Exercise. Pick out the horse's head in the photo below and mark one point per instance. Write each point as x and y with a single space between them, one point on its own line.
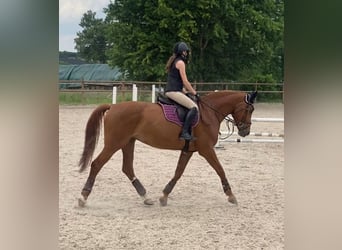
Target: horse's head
242 114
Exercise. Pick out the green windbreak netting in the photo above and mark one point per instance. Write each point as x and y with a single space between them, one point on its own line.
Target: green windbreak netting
100 72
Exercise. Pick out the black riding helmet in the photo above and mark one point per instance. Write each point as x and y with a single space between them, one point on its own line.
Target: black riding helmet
179 48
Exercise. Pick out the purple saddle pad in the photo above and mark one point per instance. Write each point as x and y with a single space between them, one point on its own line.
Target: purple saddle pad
170 113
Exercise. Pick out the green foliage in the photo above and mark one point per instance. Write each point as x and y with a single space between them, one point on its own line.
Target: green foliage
260 39
91 41
236 40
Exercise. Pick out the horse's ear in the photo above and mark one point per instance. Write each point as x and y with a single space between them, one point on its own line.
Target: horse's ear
251 97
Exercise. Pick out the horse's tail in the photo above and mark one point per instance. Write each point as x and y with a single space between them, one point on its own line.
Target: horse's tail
91 135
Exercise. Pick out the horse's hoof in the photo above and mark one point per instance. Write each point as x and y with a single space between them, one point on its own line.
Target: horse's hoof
232 200
148 202
163 201
81 202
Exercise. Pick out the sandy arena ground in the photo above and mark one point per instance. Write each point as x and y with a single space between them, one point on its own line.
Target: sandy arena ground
198 215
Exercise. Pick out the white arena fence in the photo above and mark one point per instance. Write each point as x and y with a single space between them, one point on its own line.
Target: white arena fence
138 88
134 93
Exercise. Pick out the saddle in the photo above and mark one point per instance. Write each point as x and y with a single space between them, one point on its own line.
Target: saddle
173 111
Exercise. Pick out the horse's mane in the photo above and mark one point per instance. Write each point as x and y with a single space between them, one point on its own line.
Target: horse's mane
220 93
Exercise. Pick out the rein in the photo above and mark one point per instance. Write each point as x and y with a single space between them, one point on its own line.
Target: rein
225 116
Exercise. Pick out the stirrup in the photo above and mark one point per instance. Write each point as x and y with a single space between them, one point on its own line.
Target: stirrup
187 137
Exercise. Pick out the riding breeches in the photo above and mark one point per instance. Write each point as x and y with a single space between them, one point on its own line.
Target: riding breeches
182 99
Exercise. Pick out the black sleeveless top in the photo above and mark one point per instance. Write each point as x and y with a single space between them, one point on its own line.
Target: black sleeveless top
174 80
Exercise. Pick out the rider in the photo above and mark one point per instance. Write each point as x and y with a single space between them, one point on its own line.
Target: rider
178 85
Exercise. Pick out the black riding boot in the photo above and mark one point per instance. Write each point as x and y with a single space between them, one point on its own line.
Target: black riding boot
186 130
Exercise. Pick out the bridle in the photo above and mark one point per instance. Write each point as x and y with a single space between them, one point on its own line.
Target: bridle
248 110
241 125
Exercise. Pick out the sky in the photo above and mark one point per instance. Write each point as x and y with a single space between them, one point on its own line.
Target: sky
70 14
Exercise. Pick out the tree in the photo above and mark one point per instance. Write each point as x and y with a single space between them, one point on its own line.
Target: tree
258 38
139 43
91 41
236 40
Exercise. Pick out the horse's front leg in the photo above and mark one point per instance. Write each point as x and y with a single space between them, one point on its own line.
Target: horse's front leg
127 168
210 155
182 162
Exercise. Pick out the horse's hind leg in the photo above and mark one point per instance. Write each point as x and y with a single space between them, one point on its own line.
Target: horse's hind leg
127 168
182 162
96 166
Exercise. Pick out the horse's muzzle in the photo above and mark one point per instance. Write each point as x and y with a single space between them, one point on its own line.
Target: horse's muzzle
244 129
244 132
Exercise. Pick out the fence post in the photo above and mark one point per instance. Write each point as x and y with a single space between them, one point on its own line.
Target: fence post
82 90
114 95
153 93
135 93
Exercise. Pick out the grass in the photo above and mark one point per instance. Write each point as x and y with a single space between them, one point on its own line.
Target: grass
89 98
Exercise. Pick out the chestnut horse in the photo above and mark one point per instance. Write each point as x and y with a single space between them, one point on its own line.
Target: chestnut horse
126 122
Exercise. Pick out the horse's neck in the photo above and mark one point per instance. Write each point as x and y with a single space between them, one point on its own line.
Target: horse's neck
223 102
